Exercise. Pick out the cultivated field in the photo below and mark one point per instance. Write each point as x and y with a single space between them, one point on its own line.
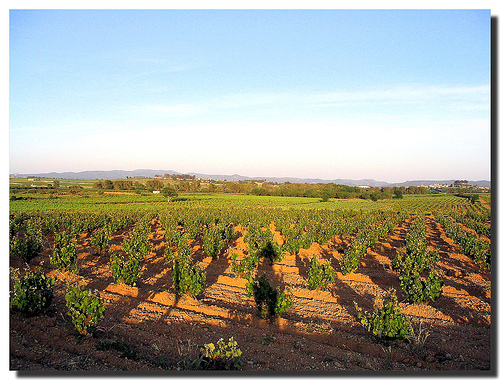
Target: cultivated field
175 276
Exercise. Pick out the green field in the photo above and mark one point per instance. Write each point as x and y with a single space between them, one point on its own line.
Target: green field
91 201
227 248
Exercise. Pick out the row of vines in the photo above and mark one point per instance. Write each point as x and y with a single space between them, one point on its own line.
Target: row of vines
268 233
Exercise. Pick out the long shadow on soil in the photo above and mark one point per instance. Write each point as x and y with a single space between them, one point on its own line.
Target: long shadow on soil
456 278
453 267
346 295
378 273
154 279
460 314
157 263
219 265
302 264
436 239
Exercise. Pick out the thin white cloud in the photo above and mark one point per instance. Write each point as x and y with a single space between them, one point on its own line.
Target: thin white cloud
179 110
404 93
212 105
284 104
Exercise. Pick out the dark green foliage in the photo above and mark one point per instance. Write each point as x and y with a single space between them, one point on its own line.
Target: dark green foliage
388 322
398 194
270 302
319 275
271 251
418 290
187 277
15 224
415 260
64 251
100 239
261 241
169 192
26 248
246 266
215 238
84 307
125 268
325 195
32 293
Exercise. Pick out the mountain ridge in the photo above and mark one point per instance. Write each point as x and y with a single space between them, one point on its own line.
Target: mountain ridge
150 173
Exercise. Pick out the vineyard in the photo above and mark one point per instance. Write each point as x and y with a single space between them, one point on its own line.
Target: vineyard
130 282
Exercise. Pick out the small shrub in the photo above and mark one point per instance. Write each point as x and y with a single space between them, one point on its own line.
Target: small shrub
272 251
418 289
419 261
389 322
229 234
213 240
64 252
100 239
32 293
246 266
261 242
84 307
187 278
350 260
126 269
26 248
222 356
136 244
270 302
319 275
172 238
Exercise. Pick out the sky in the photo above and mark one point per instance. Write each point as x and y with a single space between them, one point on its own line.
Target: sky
391 95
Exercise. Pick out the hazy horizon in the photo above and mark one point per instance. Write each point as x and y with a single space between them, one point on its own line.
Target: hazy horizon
380 94
163 171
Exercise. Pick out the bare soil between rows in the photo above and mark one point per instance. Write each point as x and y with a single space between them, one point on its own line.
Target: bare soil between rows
319 333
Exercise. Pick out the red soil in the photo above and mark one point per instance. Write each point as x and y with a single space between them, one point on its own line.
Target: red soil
320 331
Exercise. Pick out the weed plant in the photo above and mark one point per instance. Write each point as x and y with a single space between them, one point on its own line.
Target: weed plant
222 356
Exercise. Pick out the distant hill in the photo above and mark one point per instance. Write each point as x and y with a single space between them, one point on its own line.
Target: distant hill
150 173
101 174
443 182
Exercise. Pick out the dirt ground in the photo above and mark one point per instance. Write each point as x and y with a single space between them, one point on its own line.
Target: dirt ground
319 333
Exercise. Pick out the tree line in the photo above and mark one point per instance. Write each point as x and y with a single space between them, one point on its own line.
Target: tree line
287 189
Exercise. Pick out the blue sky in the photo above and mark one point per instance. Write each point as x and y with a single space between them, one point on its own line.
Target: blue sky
388 95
